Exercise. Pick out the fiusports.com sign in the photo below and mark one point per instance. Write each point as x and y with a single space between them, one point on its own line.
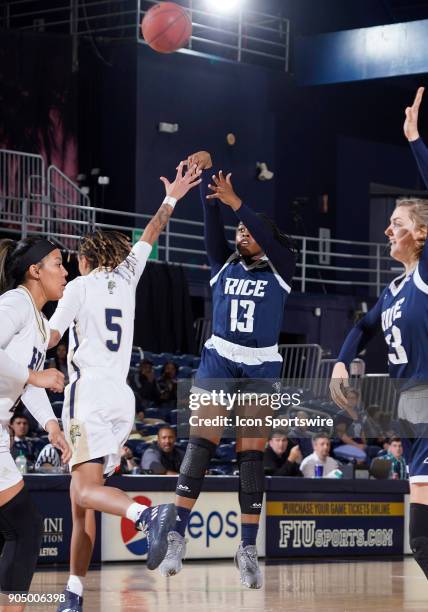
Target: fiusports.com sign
304 526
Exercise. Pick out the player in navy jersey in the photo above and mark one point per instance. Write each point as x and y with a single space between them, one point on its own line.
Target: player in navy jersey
250 285
402 313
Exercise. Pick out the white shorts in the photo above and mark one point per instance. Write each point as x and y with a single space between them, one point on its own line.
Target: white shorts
9 473
98 416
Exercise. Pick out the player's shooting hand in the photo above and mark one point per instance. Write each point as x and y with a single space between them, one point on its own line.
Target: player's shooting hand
202 159
223 191
57 439
182 182
338 385
51 379
412 112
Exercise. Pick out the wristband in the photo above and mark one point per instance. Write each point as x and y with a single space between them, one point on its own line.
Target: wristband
170 201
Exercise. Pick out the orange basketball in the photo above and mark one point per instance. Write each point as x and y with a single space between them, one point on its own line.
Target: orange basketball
166 27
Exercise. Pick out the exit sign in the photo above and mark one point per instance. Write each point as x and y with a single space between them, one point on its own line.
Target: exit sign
136 235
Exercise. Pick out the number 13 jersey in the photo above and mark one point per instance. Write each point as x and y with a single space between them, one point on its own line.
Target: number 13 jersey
99 310
248 302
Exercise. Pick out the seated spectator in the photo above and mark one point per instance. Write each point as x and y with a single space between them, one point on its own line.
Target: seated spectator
168 385
49 460
282 457
163 457
145 385
128 464
301 435
21 442
60 361
320 456
395 455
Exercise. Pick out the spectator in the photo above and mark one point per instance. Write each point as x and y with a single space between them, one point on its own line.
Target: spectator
395 455
350 430
282 457
163 457
320 456
301 435
128 464
168 385
60 361
21 443
145 386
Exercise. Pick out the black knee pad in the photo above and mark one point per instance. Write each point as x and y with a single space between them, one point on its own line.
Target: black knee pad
21 526
251 481
418 532
198 455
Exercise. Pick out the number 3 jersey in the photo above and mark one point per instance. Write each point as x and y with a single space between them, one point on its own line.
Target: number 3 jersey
99 310
402 312
248 303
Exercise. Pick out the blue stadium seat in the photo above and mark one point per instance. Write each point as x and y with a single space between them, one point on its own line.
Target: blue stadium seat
158 370
184 372
196 362
158 359
226 452
135 359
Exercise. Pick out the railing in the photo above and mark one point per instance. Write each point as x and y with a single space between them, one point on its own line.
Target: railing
359 264
243 35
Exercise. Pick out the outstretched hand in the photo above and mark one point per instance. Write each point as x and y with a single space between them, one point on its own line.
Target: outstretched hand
182 182
412 112
223 191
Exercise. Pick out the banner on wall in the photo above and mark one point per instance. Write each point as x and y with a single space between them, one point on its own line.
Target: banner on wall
56 512
343 524
213 530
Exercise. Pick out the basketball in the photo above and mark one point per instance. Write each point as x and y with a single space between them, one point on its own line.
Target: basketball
166 27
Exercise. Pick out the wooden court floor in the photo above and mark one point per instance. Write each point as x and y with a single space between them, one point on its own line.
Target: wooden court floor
366 586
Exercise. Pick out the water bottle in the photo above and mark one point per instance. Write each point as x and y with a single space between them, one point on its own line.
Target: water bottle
21 462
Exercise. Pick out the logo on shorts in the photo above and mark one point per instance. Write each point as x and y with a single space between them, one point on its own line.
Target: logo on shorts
111 285
183 488
135 541
74 433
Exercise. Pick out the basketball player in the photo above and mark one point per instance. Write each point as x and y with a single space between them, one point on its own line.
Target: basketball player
31 274
99 407
402 312
250 285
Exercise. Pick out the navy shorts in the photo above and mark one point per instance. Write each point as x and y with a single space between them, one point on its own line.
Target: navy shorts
413 418
217 372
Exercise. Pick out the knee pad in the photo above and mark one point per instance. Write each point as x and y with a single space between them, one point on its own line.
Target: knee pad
198 455
251 481
21 526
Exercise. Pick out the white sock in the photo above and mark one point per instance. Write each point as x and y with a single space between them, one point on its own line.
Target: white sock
134 511
75 584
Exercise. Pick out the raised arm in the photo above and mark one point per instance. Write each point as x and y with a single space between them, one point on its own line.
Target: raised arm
354 343
218 249
282 258
174 192
411 132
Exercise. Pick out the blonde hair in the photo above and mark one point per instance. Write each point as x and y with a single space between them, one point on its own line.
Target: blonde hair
104 249
418 213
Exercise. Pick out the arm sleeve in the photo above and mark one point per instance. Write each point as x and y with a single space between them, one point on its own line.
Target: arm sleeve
282 258
68 306
420 151
218 249
361 334
38 404
13 313
133 266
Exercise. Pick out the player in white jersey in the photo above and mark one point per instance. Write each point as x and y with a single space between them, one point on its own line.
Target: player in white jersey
99 407
31 274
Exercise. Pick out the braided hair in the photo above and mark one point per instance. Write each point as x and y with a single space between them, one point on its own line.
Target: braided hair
104 249
278 235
